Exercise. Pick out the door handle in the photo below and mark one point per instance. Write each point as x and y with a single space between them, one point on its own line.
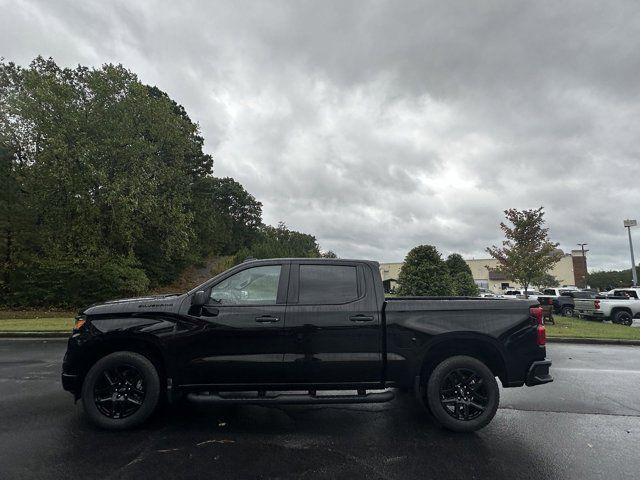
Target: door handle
267 319
361 318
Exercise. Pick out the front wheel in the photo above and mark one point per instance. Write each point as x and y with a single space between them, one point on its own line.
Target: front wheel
121 391
462 394
567 311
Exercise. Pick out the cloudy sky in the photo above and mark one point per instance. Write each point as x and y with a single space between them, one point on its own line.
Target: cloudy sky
381 125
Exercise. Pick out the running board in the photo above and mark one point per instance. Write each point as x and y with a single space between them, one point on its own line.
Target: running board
288 398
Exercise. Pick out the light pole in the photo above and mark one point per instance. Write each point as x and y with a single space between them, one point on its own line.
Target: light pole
628 224
584 259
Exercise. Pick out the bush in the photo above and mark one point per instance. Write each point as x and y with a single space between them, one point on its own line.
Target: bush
64 284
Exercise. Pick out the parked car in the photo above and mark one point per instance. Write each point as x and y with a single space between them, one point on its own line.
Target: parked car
556 292
562 304
618 309
581 294
266 329
484 293
531 294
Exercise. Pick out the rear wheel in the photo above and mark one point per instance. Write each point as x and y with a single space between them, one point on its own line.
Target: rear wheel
623 318
121 391
462 394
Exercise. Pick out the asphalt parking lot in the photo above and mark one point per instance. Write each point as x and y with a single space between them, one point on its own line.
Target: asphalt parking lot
584 425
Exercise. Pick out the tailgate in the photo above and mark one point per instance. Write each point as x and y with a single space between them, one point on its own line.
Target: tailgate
585 305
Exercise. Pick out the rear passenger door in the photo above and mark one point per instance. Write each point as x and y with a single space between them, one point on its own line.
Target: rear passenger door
332 330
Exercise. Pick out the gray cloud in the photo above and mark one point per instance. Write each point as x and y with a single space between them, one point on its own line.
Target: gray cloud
380 125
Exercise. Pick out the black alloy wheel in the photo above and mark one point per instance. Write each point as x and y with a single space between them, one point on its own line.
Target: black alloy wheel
567 312
623 318
463 394
120 391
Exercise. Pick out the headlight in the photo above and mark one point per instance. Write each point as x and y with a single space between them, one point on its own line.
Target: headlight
80 321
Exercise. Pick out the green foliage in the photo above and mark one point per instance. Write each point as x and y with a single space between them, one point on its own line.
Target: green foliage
608 280
527 253
69 285
230 217
546 280
280 242
463 284
96 165
456 264
425 273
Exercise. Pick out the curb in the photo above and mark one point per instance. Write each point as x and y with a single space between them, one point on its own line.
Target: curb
592 341
35 334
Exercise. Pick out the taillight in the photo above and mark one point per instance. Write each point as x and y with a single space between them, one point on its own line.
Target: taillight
536 312
596 304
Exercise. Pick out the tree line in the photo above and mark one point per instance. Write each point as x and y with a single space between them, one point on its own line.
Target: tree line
106 190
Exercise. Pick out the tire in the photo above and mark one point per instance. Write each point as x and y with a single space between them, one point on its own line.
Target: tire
623 318
462 387
121 391
567 311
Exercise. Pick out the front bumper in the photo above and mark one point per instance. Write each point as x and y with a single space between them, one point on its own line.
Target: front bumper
71 383
539 373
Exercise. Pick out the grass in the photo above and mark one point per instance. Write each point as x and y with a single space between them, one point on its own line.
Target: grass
569 327
51 324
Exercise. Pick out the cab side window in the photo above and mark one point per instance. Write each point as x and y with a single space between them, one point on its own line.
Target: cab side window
253 286
327 284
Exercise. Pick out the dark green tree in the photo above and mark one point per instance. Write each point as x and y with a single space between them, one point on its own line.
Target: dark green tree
527 253
425 273
231 217
607 280
463 284
280 242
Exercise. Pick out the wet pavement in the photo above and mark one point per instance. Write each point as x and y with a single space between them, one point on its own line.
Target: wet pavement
584 425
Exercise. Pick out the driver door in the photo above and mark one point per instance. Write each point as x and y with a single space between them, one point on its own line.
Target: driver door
241 326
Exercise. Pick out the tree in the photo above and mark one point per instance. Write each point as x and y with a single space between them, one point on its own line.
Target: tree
232 216
424 273
527 253
546 281
463 283
280 242
607 280
328 254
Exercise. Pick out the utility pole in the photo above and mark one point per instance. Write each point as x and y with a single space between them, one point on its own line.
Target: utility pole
628 224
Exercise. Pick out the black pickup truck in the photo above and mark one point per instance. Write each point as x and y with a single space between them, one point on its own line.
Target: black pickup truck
266 329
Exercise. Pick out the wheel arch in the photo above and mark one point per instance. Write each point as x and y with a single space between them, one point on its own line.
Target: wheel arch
476 346
615 310
115 343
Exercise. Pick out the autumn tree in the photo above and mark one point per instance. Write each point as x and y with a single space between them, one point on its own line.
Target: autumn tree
527 253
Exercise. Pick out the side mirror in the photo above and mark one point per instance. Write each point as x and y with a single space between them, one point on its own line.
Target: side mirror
199 299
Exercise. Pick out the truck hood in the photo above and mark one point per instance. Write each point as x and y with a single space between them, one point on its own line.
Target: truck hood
151 303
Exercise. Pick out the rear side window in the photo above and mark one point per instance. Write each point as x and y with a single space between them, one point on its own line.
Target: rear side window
327 284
